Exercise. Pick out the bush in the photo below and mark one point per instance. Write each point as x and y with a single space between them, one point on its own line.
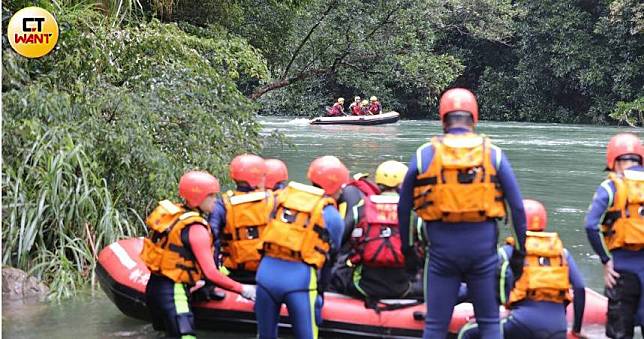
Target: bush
99 130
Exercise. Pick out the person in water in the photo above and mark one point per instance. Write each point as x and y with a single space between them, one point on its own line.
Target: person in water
178 251
458 184
615 229
376 258
305 230
354 108
240 216
337 110
374 106
276 174
539 298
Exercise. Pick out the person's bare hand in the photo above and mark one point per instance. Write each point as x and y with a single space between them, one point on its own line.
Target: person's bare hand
610 275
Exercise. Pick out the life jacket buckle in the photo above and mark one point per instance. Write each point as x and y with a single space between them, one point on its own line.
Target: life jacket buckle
385 232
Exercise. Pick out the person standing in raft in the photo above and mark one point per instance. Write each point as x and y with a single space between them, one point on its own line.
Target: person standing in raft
375 107
240 216
354 108
615 229
458 184
376 258
178 251
276 174
337 110
305 230
539 298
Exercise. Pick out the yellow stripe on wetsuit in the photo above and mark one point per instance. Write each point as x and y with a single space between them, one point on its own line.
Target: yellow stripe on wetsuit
181 303
313 294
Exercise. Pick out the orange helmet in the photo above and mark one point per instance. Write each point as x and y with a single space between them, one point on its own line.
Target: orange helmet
249 168
276 172
535 215
195 186
329 173
458 100
622 144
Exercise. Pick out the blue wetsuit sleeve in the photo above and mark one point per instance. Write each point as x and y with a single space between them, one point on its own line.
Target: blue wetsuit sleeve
599 205
579 290
405 204
217 220
512 196
335 225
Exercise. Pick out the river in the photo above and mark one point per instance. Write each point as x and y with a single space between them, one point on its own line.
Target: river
560 165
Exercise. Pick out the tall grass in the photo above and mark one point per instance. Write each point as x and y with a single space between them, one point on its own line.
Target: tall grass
57 214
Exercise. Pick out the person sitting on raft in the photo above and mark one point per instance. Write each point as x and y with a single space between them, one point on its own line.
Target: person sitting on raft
337 110
539 312
352 194
376 258
375 107
364 108
178 252
355 108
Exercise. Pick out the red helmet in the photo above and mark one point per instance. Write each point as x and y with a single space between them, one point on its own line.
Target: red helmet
195 186
249 168
622 144
458 99
535 215
276 172
329 173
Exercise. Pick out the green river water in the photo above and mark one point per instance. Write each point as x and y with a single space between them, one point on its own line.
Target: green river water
560 165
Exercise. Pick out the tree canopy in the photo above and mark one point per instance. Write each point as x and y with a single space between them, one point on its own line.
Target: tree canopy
549 61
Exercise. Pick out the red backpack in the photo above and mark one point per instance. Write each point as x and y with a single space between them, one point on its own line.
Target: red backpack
365 186
376 238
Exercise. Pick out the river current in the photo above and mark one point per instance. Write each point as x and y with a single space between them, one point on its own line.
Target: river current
559 165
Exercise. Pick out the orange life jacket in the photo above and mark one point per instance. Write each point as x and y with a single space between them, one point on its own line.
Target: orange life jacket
460 184
545 272
164 249
297 232
623 224
246 217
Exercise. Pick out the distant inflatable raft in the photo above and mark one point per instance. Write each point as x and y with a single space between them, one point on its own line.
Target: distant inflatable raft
380 119
123 277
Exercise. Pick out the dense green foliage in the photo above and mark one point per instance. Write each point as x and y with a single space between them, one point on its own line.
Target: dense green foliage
550 61
100 129
138 91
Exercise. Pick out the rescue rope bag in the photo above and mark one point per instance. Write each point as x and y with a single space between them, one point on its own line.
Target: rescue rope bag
296 231
376 238
545 273
247 215
164 249
461 183
623 223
